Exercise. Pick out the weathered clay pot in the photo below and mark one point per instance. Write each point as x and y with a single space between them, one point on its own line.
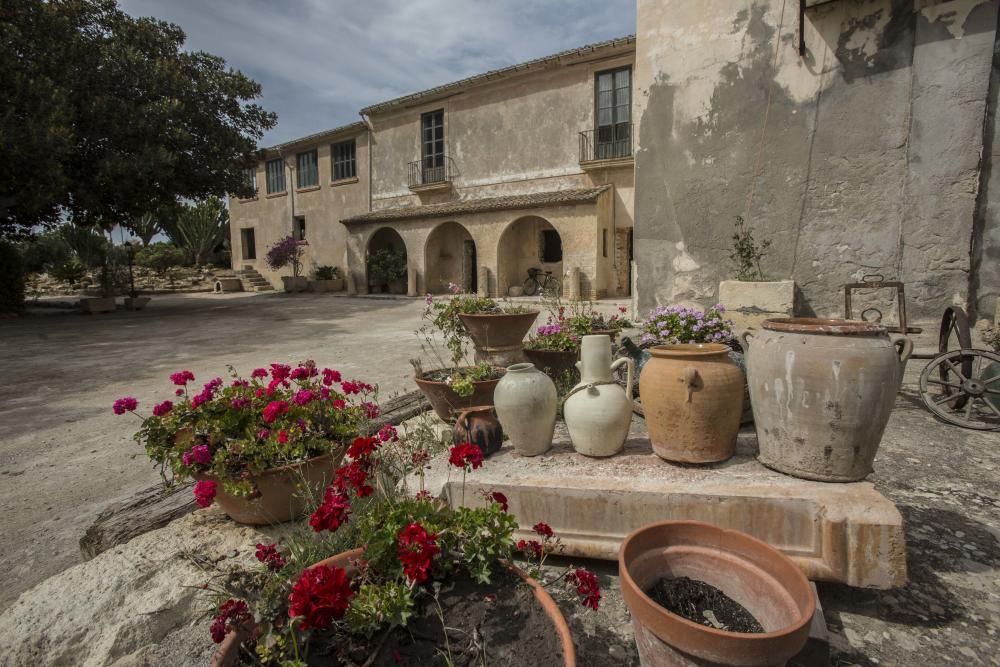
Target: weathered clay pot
447 403
762 579
822 392
557 364
527 402
598 411
692 397
295 283
480 426
282 493
228 652
499 331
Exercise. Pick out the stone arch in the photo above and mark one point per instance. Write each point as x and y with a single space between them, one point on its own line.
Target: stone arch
450 257
528 242
386 238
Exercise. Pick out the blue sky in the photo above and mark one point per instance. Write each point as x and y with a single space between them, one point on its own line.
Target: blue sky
320 61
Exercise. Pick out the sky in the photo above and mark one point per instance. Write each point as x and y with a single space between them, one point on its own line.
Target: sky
320 61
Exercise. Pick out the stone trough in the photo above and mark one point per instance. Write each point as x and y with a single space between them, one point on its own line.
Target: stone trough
847 533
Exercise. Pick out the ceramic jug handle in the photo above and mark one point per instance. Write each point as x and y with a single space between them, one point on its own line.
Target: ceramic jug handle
745 337
904 348
629 374
691 378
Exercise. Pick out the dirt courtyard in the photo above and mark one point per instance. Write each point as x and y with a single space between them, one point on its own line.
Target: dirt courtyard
64 456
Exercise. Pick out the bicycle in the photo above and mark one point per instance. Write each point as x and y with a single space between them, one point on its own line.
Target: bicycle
548 285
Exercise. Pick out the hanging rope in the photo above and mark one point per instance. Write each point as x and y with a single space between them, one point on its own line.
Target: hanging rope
767 112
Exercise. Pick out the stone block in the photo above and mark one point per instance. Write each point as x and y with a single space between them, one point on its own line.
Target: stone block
750 303
846 533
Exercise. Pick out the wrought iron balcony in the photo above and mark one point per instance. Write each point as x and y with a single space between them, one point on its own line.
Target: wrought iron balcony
431 170
610 142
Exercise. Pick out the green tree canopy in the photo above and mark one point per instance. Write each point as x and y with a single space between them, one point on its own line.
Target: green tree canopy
104 118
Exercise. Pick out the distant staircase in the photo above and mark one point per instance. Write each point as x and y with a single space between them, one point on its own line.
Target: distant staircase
253 281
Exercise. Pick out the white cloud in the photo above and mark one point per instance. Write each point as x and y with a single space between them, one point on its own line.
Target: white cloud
319 61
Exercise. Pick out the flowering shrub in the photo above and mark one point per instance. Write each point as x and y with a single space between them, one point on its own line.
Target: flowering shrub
553 335
565 327
679 324
280 415
287 252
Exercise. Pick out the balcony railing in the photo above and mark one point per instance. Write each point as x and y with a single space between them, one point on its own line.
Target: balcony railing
431 170
611 142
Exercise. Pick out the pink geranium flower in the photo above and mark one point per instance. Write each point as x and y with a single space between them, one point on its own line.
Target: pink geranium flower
204 492
125 404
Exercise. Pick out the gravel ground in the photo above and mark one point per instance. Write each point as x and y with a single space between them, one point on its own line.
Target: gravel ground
64 457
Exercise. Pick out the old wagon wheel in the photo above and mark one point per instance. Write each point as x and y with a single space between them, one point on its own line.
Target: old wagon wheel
968 398
954 334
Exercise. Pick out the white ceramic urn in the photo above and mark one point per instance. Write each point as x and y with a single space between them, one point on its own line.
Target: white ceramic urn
598 412
525 400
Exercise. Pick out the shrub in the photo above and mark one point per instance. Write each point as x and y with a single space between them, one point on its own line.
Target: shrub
287 252
160 257
90 247
70 272
11 279
326 273
386 266
45 251
747 253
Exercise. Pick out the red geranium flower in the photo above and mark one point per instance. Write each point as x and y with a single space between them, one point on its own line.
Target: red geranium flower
269 556
371 410
339 404
333 513
181 378
587 587
530 548
274 410
280 372
466 456
330 376
320 596
232 614
283 437
362 447
259 373
388 433
500 499
353 476
417 549
304 397
125 404
543 529
163 408
204 492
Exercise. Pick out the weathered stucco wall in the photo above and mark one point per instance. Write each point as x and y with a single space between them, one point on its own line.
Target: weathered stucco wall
986 238
322 207
870 161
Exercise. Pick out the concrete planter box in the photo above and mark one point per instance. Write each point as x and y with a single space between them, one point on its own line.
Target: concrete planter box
223 285
136 303
749 304
335 285
295 283
104 304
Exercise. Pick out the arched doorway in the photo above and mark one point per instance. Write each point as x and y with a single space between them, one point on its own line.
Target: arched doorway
386 262
529 242
450 257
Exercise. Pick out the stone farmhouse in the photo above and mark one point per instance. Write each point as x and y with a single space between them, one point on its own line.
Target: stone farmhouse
858 136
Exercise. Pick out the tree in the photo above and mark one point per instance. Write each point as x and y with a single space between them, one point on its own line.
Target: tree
145 227
198 228
103 117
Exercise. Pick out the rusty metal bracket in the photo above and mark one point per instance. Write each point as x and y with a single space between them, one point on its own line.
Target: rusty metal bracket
877 281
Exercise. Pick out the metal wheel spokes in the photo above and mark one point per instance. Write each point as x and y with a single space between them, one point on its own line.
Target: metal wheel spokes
962 387
954 334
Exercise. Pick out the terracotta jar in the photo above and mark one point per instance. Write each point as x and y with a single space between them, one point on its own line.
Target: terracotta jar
228 653
281 494
767 583
479 425
447 403
598 411
526 403
822 392
499 337
692 397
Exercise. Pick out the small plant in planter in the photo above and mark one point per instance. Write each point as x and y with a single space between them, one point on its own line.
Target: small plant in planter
326 279
257 446
680 324
326 273
484 321
752 297
431 583
387 270
747 253
288 252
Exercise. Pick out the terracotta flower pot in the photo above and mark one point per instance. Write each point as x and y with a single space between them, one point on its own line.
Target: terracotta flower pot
447 403
480 426
228 652
295 283
283 493
554 363
692 397
822 392
750 572
499 331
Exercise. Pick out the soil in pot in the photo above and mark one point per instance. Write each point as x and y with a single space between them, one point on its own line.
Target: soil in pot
513 630
702 603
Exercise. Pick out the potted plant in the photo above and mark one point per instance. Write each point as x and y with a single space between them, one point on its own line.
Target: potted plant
554 350
430 583
106 285
259 447
326 279
387 271
698 593
454 389
751 298
288 252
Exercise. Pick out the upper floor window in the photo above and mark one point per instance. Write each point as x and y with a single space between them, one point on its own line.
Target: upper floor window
432 146
250 178
306 170
275 175
344 158
613 113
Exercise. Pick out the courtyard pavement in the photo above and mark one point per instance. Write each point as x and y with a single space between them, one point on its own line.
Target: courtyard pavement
64 456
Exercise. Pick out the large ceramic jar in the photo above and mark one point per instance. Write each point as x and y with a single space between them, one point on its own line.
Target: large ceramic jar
822 392
478 425
598 412
526 402
692 397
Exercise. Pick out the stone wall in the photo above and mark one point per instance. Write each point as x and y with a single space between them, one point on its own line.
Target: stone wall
870 159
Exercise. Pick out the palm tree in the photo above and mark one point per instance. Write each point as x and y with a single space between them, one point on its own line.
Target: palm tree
145 227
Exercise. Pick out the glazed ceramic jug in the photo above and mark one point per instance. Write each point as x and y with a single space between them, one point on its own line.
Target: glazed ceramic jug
526 402
479 426
598 412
